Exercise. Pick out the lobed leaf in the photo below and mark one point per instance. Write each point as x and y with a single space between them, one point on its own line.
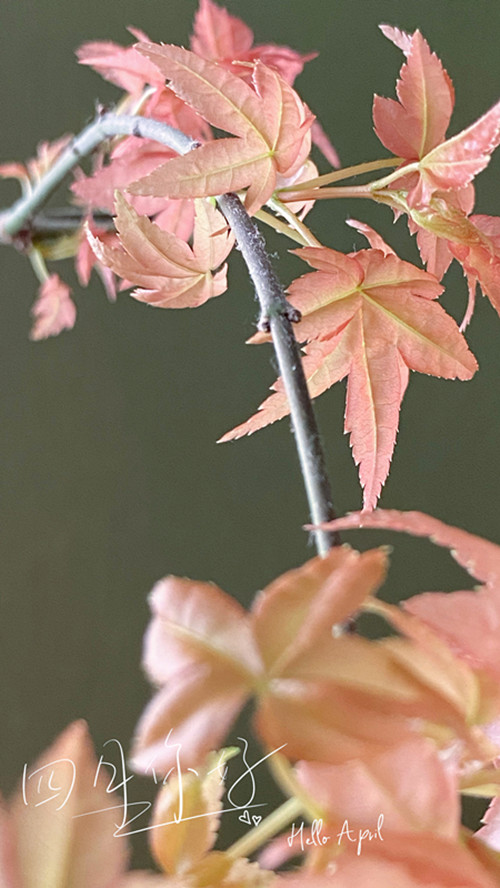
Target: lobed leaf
453 164
219 35
416 123
54 310
62 828
271 124
370 317
168 272
121 65
467 621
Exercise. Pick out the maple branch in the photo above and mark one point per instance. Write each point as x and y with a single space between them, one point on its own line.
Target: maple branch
105 126
276 312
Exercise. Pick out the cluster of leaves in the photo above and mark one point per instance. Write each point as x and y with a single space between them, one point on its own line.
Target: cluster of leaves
368 316
358 730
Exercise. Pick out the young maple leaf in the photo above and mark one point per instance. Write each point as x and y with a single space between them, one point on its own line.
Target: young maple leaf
221 37
271 125
184 829
370 317
168 272
445 232
54 309
98 190
208 656
414 127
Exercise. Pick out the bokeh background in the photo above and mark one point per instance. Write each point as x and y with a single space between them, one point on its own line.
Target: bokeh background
110 476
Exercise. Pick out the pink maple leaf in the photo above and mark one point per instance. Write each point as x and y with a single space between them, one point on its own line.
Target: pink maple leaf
468 621
54 310
208 656
371 317
414 127
121 65
60 827
225 39
270 124
319 697
168 272
221 37
445 232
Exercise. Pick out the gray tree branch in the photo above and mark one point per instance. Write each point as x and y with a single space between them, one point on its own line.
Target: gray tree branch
276 313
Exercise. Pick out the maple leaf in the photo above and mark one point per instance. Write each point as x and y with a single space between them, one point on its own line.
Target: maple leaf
54 310
208 655
445 232
370 317
271 125
168 272
414 127
98 190
221 37
46 837
480 258
319 697
122 65
182 843
417 122
467 621
225 39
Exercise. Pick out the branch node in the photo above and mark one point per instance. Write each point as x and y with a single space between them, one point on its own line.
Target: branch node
293 314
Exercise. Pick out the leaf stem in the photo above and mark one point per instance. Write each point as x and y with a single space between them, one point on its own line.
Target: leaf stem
38 265
345 173
294 222
280 226
328 193
267 828
369 190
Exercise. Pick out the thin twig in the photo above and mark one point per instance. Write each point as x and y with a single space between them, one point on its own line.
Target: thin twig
275 310
276 313
105 126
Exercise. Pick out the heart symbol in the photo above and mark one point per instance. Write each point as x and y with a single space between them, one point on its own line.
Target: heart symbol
256 818
245 817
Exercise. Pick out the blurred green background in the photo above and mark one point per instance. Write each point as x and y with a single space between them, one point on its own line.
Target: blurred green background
110 476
